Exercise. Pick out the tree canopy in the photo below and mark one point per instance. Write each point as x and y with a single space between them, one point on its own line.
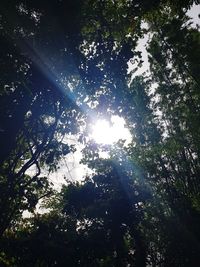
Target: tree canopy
64 64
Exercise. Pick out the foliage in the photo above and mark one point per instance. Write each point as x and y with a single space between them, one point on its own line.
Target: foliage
64 64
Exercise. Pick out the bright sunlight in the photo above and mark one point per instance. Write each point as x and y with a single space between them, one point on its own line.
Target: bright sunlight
105 132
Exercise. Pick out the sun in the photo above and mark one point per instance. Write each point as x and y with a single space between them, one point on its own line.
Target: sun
105 132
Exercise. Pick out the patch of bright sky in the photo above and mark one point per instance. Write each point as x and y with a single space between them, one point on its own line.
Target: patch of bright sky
104 132
141 47
194 13
70 168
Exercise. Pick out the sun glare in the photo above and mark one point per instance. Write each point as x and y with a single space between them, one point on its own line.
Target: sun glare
104 132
